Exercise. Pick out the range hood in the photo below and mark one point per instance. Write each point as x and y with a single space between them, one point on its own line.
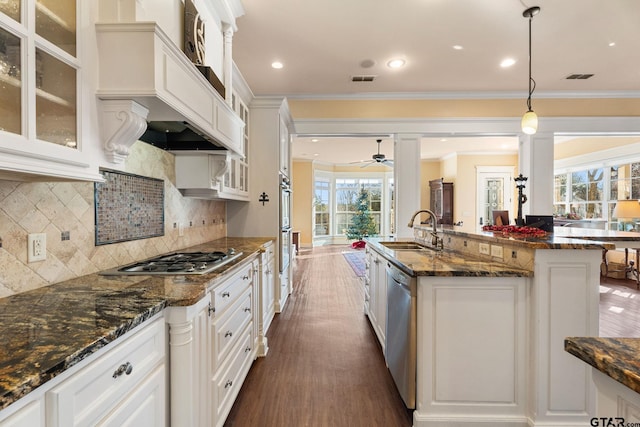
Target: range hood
150 90
178 136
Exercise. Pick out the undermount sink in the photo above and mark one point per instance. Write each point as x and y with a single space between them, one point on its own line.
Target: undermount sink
396 246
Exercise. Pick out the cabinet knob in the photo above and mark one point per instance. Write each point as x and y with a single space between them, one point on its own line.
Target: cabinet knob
228 334
125 368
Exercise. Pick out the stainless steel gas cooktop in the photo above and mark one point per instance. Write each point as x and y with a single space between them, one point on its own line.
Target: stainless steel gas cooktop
177 264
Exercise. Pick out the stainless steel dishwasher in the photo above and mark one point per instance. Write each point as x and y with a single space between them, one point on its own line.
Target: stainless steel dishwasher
400 349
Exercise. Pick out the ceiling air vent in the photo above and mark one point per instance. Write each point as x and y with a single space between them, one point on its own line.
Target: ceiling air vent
362 78
579 76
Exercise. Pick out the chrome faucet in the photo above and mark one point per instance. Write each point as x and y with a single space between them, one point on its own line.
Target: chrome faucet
436 240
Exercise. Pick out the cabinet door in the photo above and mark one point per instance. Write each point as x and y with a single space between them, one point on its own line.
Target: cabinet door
31 415
284 148
39 74
144 407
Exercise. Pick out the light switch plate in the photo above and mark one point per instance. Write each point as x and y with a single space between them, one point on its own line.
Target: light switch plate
36 247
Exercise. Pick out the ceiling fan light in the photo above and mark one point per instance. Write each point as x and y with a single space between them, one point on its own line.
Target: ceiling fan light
529 122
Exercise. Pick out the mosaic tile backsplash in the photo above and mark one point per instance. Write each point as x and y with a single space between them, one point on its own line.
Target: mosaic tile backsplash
128 207
56 208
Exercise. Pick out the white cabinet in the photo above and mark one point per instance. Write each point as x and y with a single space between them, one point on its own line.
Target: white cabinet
29 415
40 92
267 295
122 387
285 147
376 290
236 178
261 216
212 346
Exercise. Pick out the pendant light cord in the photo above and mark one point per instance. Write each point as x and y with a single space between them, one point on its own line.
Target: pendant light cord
532 82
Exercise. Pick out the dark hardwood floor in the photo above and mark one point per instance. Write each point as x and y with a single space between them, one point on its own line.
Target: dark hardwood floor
324 366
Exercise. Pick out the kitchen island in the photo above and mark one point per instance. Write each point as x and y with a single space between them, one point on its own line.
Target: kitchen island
48 331
493 311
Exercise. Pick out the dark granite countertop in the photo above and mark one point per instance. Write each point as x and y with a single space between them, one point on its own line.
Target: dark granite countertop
619 358
47 330
550 241
444 262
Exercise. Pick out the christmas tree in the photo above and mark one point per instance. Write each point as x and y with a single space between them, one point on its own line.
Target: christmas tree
362 223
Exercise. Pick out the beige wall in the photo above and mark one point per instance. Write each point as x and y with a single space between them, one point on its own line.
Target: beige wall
53 207
447 108
429 170
581 146
302 209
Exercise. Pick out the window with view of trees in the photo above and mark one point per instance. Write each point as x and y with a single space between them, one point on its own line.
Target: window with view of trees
592 193
347 191
336 197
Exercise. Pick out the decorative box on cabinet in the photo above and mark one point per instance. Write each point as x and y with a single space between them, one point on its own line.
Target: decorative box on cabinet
441 200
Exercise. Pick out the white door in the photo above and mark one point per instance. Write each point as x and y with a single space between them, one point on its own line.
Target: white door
495 190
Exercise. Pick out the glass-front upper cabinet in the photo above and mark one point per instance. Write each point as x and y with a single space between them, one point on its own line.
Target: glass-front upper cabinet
39 70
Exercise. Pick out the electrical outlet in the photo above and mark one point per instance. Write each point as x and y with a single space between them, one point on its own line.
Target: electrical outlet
484 248
496 251
36 247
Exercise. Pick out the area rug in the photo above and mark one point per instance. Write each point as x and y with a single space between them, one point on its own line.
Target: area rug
356 261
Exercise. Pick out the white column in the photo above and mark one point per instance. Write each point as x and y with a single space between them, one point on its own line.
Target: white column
536 163
228 63
406 178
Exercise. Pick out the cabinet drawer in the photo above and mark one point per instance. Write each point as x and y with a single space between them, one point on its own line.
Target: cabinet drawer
87 396
229 291
227 328
228 382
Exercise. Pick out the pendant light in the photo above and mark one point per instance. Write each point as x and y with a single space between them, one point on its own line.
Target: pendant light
530 119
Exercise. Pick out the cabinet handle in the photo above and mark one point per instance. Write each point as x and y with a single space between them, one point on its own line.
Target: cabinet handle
125 368
247 349
228 384
245 277
211 310
247 310
228 334
225 295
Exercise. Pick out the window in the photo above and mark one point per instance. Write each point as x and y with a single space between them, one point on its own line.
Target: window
587 193
592 193
347 190
321 207
335 198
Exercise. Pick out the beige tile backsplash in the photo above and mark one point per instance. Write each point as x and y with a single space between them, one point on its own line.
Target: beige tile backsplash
54 207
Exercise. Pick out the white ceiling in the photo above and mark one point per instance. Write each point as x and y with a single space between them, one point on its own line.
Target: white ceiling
322 44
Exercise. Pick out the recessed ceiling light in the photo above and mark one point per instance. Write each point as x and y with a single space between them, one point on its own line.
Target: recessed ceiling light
396 63
457 47
507 62
316 154
277 65
315 140
612 44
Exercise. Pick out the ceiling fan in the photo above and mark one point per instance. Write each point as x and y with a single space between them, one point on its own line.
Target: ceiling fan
377 158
